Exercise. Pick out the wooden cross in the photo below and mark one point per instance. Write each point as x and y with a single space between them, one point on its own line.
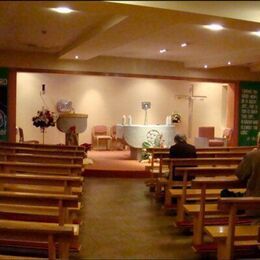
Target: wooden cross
191 97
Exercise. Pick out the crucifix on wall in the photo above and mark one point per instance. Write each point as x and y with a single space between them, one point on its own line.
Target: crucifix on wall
191 97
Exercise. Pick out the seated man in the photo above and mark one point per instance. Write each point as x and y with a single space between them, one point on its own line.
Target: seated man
248 172
181 149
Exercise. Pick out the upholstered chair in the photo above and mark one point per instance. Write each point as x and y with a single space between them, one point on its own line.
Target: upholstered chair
206 137
222 141
100 133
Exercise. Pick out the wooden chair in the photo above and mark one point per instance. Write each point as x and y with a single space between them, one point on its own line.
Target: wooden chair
100 133
21 137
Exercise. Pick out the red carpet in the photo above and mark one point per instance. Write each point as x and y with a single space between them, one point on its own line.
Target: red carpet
114 164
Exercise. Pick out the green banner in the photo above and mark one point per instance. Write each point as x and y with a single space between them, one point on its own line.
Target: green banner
249 113
3 103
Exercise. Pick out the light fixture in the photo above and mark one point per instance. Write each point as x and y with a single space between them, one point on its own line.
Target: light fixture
205 66
163 50
214 27
76 57
184 44
229 63
62 10
256 33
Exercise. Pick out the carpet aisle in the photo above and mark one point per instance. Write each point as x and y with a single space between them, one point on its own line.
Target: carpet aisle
122 221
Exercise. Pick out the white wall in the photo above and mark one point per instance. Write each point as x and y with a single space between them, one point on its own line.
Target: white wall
106 99
209 111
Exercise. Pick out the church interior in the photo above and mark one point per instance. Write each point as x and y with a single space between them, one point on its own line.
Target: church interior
93 94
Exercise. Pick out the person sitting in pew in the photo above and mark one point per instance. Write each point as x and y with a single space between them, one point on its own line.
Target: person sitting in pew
248 172
181 149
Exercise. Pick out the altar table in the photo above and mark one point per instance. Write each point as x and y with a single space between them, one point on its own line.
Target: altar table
136 135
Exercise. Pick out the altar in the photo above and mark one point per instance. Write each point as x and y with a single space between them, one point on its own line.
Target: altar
154 135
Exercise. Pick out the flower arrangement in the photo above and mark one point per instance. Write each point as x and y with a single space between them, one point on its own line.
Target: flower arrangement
44 119
176 118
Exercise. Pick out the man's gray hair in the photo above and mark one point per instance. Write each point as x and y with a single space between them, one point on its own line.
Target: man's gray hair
180 138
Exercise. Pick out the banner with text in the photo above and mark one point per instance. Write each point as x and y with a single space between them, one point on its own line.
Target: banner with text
3 103
249 113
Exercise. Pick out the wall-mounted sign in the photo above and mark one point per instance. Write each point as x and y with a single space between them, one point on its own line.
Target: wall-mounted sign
249 113
3 104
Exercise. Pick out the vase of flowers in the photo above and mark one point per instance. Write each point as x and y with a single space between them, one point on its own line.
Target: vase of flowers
175 118
43 120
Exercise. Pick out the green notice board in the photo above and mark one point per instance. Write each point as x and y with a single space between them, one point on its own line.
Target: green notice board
249 113
3 103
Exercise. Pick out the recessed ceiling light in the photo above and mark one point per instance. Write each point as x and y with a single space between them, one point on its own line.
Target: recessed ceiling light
163 50
184 44
229 63
256 33
62 10
205 66
76 57
214 27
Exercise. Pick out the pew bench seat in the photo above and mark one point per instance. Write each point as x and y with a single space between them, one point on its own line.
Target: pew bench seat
245 239
163 184
197 192
37 213
39 188
212 216
191 195
219 233
41 232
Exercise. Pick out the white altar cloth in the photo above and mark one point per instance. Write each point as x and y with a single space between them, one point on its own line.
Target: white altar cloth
135 135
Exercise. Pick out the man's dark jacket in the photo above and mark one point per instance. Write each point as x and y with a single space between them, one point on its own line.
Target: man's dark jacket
183 150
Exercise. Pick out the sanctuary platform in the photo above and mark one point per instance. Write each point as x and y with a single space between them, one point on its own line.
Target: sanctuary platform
114 164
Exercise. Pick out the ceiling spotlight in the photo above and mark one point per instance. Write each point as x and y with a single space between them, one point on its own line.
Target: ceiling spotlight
214 27
163 50
205 66
76 57
256 33
229 63
62 10
184 44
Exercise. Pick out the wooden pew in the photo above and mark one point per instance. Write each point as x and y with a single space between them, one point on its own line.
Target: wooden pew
228 236
49 146
41 208
227 148
41 150
199 211
35 231
41 168
222 154
157 154
163 158
43 158
31 208
186 162
41 183
184 193
61 201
